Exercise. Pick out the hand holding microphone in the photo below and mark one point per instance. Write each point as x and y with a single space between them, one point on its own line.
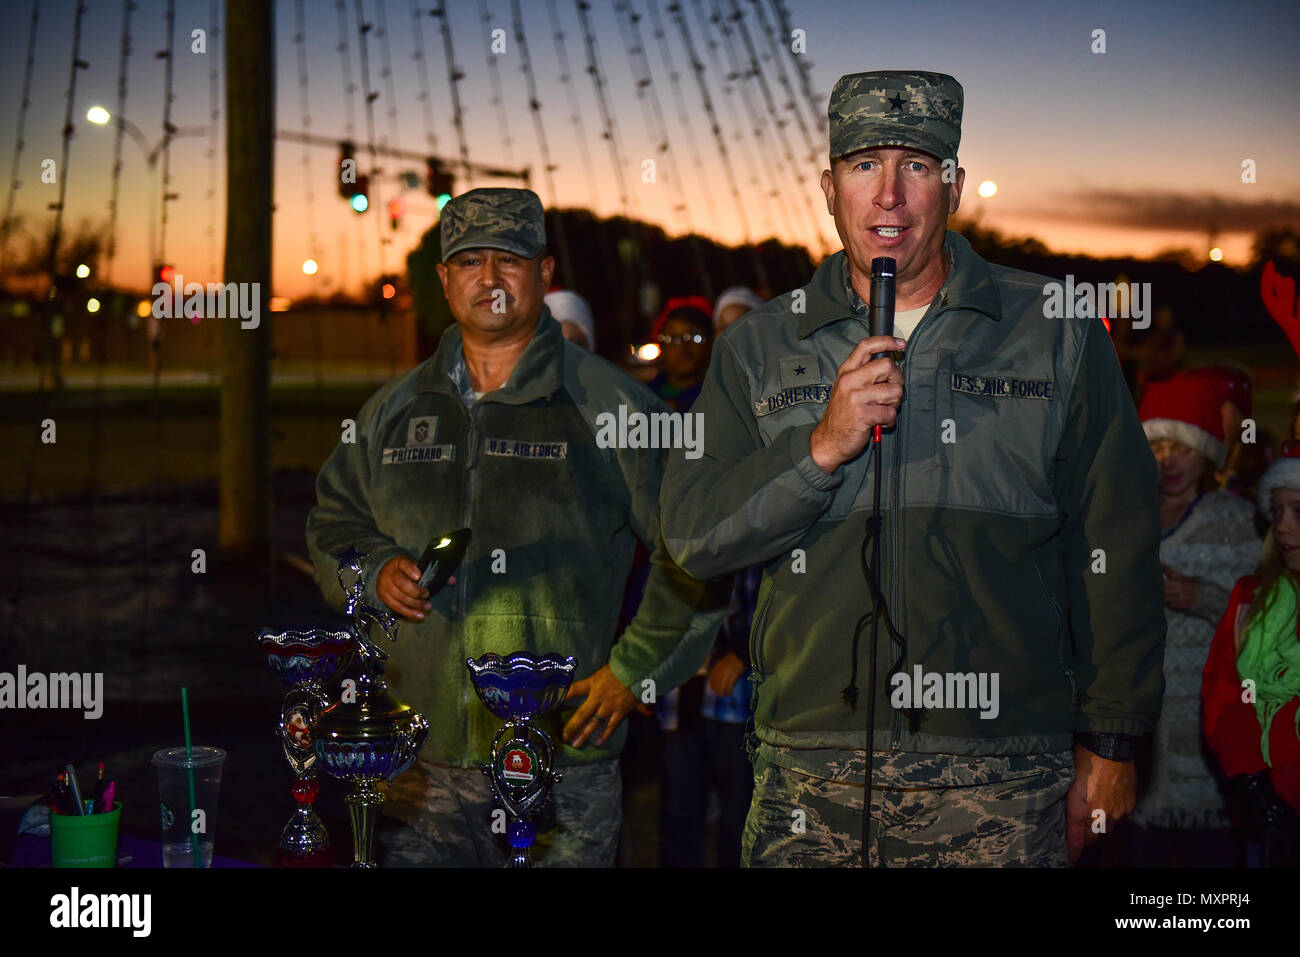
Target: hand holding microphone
868 385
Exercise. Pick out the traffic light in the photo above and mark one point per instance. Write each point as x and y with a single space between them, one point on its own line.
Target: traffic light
163 274
360 197
396 210
347 171
438 181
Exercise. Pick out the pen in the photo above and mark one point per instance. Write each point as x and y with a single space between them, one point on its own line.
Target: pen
109 793
62 800
97 802
76 791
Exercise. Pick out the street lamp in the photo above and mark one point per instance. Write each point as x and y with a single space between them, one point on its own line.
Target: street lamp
101 117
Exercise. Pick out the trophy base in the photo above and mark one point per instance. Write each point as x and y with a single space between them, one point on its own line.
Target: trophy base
304 842
323 857
364 802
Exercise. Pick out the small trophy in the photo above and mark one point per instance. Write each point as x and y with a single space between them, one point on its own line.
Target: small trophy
305 660
521 772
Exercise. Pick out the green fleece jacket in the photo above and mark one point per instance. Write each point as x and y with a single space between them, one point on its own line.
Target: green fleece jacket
1020 529
555 520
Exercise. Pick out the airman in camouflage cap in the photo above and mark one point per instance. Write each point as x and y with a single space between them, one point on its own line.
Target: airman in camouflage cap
920 111
494 218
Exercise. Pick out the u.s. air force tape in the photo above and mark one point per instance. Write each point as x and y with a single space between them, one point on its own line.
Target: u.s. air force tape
1000 387
527 450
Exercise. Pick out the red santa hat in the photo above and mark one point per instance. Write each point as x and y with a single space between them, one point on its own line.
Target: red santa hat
1283 473
1186 409
697 303
1231 384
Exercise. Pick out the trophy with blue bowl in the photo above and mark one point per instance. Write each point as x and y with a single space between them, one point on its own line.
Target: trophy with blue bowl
519 688
304 660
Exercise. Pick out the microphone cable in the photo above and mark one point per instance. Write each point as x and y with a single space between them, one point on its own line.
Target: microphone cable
881 319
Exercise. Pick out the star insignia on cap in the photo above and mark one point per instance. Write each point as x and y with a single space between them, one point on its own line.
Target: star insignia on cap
896 101
800 370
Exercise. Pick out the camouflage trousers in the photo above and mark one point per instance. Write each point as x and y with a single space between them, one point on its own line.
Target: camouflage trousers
439 816
927 810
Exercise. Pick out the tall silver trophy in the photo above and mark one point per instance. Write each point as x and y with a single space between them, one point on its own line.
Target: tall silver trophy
367 736
519 688
364 737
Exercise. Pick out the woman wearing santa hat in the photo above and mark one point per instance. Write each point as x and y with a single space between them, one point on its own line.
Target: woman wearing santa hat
1208 542
1251 683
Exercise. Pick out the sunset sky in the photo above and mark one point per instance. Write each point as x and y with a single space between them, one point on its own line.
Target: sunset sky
1133 151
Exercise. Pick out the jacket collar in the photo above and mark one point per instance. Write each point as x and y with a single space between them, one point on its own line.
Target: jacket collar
538 374
970 285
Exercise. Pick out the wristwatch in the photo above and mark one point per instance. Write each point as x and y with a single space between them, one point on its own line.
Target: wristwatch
1112 747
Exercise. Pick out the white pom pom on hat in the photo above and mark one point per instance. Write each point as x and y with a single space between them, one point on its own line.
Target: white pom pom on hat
1283 473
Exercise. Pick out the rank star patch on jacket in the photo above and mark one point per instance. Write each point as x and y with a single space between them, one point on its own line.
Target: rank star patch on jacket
799 370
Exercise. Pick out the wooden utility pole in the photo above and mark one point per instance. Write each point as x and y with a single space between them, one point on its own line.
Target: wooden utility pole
245 524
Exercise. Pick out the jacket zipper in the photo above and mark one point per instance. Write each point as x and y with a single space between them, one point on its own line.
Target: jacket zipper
896 525
756 637
462 579
1061 633
896 602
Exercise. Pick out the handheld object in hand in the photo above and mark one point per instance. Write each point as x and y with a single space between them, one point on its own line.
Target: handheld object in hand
440 558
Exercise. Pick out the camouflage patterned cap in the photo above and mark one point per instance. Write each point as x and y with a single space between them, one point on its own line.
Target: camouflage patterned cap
921 111
495 218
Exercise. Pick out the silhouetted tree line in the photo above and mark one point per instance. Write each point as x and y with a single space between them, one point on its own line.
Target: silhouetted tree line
1211 303
627 270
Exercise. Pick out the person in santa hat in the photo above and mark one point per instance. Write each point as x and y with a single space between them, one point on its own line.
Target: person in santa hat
1208 541
1251 683
684 331
1247 442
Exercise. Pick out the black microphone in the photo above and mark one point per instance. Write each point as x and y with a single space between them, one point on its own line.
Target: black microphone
881 309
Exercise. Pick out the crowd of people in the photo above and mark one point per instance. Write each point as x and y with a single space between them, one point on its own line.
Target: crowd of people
1222 482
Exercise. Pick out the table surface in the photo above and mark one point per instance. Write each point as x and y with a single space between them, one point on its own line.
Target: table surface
33 850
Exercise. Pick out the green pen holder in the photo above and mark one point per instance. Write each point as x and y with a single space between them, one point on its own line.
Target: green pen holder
88 840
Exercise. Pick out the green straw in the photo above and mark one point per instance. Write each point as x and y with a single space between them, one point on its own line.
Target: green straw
189 771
